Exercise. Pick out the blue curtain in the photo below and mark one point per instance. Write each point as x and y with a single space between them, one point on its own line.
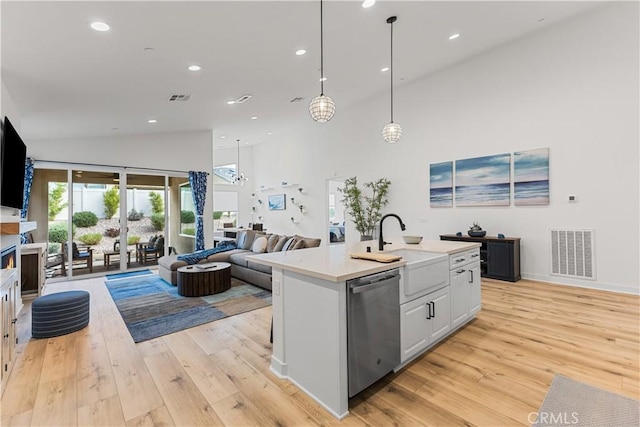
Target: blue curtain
198 182
28 179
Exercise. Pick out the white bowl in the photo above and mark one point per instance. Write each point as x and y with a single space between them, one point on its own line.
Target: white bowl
412 240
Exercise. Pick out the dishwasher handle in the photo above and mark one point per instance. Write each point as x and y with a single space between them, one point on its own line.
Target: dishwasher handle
368 283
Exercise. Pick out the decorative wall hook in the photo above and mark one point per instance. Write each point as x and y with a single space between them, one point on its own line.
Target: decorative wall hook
293 201
301 207
253 208
260 218
293 220
260 201
301 190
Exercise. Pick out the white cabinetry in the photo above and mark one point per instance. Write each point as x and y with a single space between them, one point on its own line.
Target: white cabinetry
464 279
424 321
33 269
8 294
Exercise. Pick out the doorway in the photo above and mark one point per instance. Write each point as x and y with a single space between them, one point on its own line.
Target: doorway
336 230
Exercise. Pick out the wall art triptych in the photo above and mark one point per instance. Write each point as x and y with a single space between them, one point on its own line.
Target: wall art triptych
486 181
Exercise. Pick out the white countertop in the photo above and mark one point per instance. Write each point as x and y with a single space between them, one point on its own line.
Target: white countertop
333 263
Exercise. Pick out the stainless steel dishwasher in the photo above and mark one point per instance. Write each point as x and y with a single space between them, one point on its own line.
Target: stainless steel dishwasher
373 322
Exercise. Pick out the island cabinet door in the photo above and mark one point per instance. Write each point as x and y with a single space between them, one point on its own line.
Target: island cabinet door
414 333
459 279
475 293
440 314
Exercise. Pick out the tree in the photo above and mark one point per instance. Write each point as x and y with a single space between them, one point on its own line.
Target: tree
157 203
111 200
56 205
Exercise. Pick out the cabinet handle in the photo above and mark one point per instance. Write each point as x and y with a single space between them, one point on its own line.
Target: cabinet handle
433 304
428 310
462 270
471 279
6 336
475 255
14 321
460 260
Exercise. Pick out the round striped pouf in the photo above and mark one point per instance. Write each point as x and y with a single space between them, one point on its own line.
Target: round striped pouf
59 314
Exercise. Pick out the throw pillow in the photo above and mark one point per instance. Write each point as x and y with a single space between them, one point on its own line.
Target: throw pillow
272 242
298 245
259 245
280 244
241 237
159 244
289 244
152 241
310 242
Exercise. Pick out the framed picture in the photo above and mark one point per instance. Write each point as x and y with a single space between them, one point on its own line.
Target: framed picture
441 184
483 181
277 202
531 177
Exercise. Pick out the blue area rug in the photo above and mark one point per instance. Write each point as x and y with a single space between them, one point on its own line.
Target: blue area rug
150 307
128 274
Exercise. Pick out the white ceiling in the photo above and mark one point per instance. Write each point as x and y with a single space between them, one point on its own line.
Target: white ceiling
70 81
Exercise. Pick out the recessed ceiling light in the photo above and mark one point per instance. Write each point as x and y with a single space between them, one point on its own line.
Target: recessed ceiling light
368 3
323 79
254 118
100 26
223 136
152 121
385 69
194 68
231 101
454 36
300 52
247 143
269 133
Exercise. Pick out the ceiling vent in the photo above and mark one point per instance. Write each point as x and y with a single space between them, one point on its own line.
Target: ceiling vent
297 99
179 98
243 99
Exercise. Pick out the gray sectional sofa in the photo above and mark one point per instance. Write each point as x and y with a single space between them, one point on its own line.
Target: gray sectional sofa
248 242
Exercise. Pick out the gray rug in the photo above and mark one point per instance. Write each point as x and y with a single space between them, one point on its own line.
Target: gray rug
151 307
569 402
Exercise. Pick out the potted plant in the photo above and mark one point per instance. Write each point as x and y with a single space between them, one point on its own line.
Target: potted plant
365 210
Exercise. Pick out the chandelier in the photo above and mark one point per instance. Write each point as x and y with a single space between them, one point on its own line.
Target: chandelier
238 177
322 107
392 132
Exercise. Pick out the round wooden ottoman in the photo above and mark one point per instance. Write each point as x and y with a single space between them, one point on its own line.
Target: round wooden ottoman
59 314
204 279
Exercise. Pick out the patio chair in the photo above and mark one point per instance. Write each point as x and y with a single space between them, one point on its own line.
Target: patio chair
55 260
79 257
150 251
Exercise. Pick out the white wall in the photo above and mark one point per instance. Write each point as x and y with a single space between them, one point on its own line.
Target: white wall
572 87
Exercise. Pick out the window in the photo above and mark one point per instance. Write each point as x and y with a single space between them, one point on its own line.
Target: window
225 205
187 211
224 174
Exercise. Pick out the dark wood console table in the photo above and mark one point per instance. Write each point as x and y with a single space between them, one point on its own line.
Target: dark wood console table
499 258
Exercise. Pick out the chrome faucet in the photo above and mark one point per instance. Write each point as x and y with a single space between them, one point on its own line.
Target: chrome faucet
381 241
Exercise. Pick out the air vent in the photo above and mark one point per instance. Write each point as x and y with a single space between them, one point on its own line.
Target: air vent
243 99
179 98
297 99
572 253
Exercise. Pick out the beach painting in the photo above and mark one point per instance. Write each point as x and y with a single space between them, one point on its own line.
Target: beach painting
441 184
484 181
531 177
277 202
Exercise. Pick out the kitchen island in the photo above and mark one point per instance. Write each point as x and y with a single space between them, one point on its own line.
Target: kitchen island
310 313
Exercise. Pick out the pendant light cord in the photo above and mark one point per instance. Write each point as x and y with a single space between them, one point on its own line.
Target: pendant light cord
392 72
321 54
238 168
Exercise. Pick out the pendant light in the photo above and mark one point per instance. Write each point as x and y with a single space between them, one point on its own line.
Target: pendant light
239 178
392 132
321 107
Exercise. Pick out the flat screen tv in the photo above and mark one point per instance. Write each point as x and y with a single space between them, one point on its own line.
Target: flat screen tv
12 157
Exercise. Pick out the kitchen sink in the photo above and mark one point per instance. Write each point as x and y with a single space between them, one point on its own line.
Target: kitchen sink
423 273
417 258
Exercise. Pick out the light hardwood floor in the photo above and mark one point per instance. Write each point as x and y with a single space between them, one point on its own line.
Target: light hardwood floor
493 372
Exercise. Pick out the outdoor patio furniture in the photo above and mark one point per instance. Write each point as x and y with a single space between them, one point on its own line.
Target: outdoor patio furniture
79 257
150 251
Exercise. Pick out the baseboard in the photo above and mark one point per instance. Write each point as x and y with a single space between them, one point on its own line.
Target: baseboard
567 281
